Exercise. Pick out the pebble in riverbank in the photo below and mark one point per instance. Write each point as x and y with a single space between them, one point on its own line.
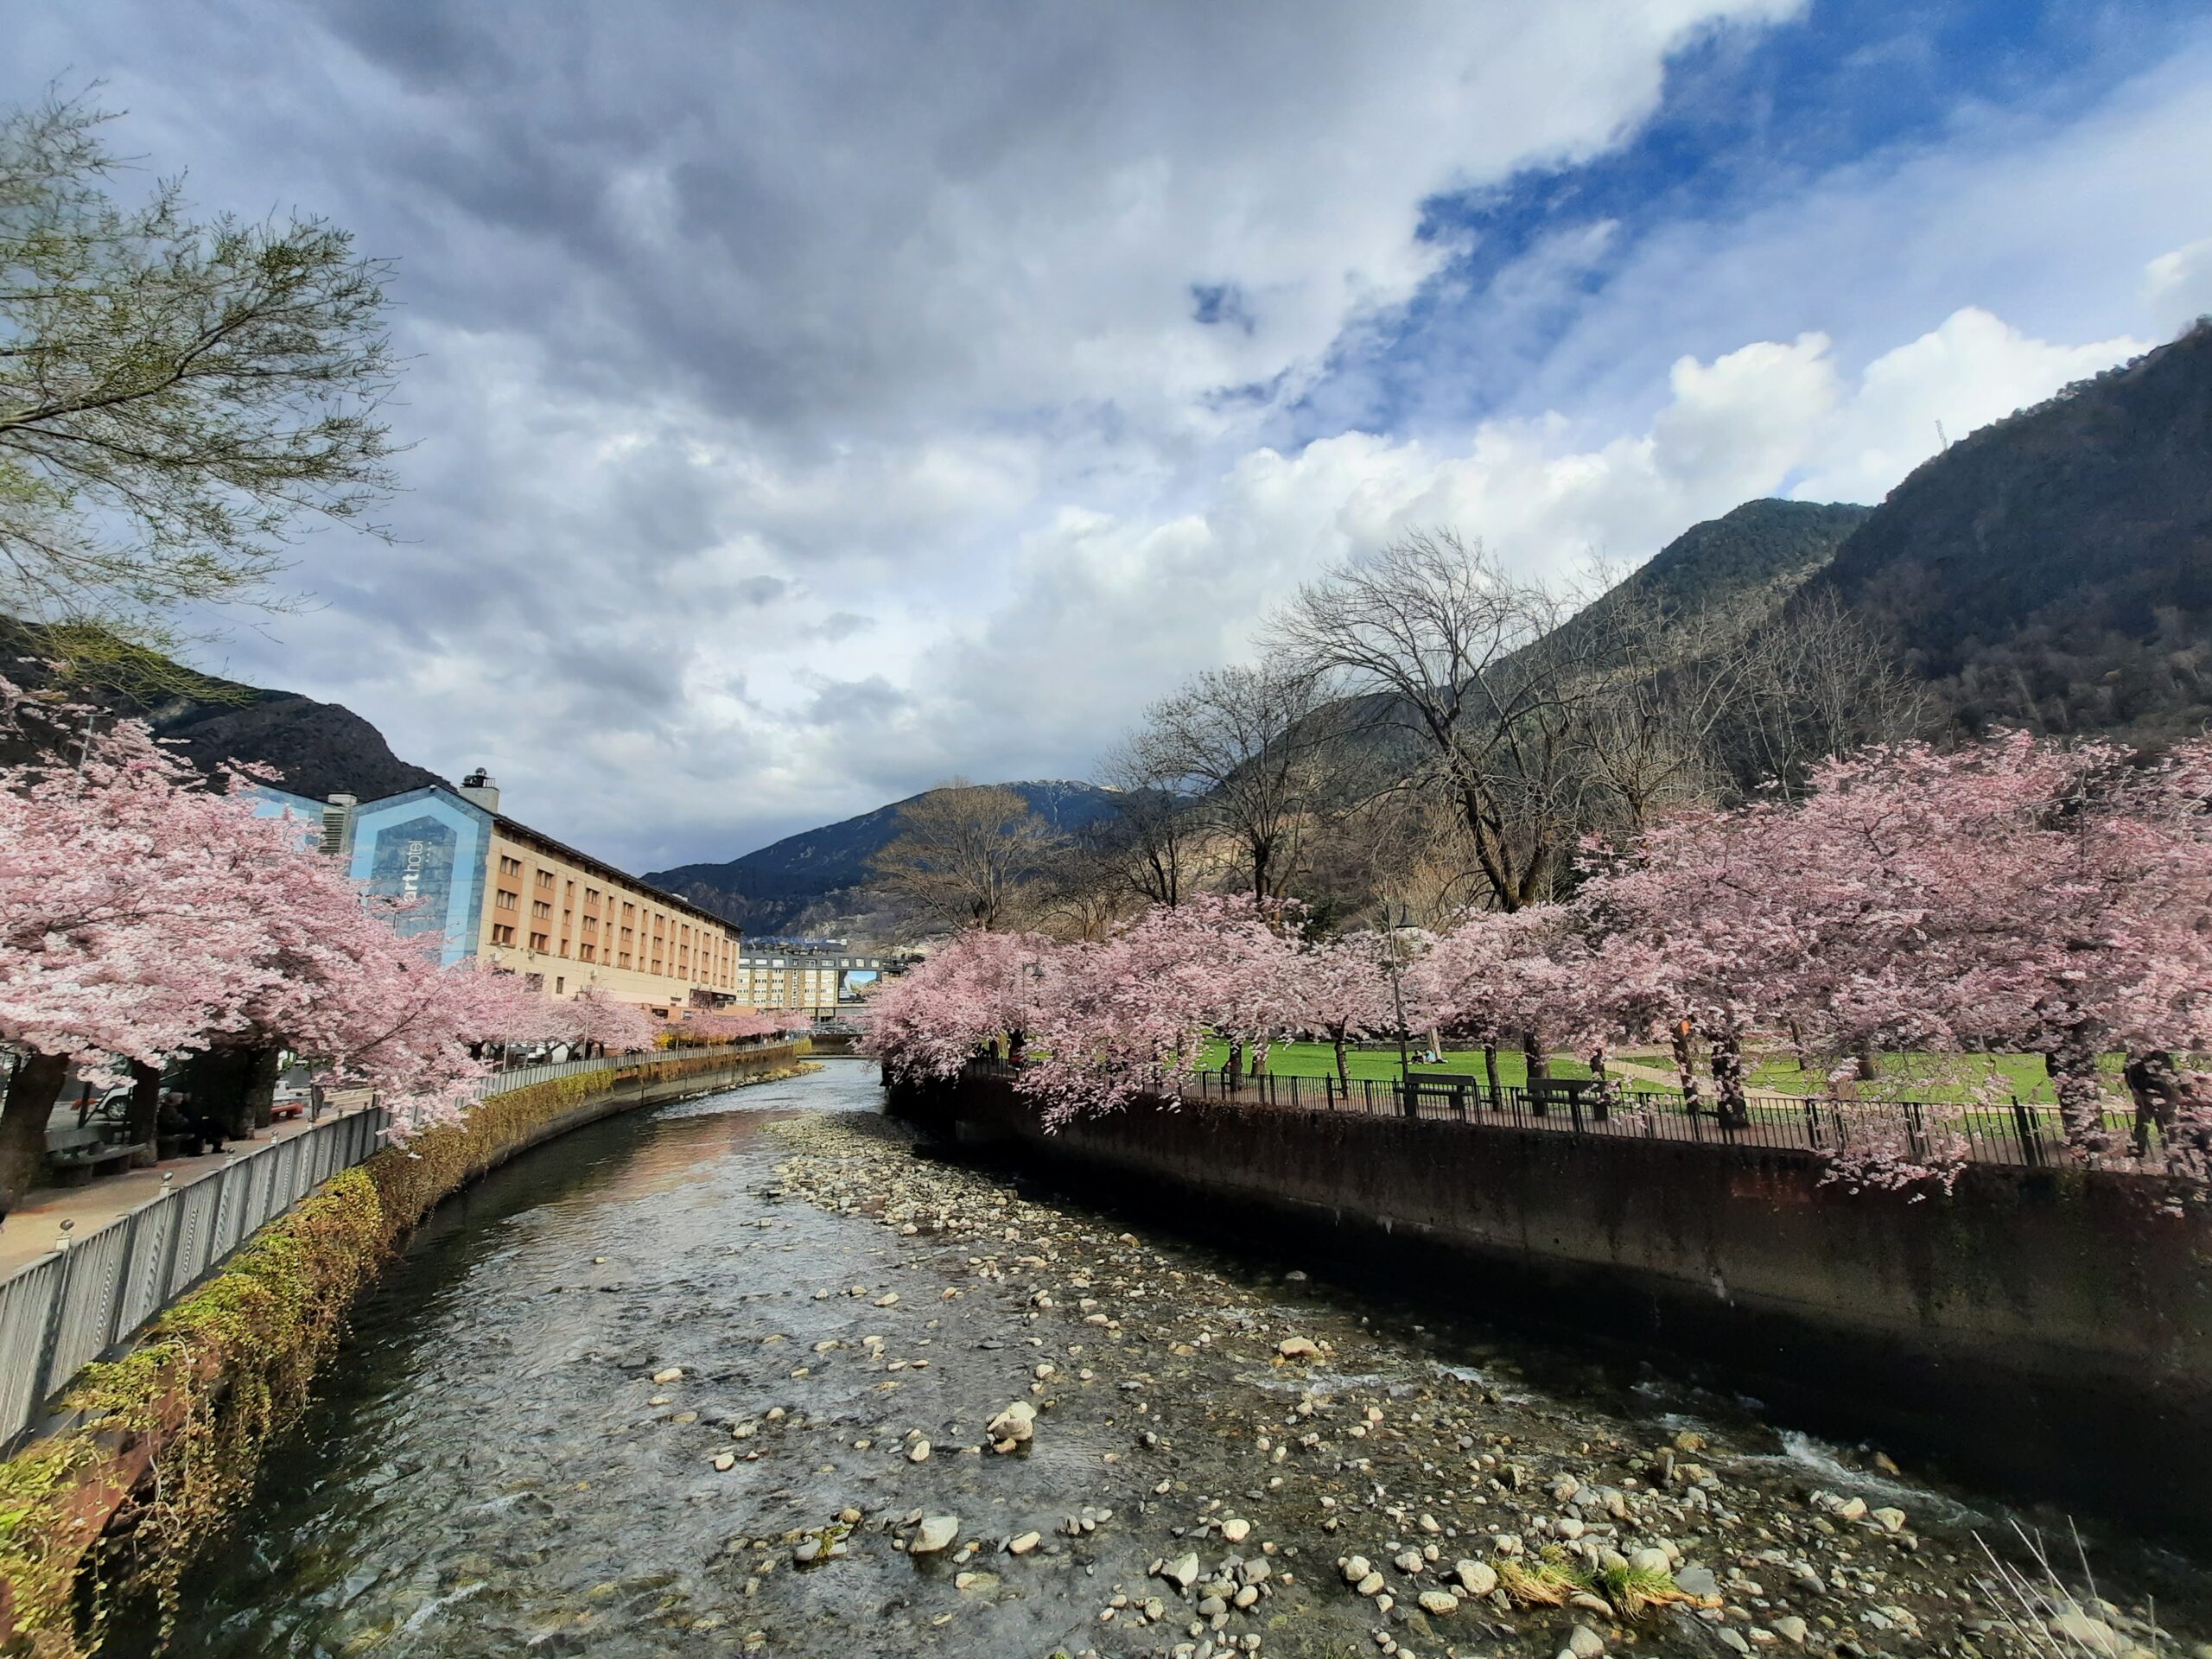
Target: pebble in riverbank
1265 1450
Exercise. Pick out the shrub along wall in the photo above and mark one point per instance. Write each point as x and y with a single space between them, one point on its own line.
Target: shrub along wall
168 1439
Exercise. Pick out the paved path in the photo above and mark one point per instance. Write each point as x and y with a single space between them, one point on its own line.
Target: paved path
32 1228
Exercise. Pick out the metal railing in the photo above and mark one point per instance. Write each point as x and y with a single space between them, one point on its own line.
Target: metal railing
65 1310
2010 1132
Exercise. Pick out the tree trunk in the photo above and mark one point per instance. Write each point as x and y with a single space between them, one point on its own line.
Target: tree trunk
31 1094
1344 1065
2073 1067
1490 1069
1727 1044
1235 1066
1681 1034
1604 1095
145 1120
225 1084
265 1072
1539 1061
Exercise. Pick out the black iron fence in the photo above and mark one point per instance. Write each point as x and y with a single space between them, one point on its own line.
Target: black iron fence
2010 1131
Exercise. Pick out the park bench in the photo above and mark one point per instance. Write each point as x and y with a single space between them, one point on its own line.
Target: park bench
73 1152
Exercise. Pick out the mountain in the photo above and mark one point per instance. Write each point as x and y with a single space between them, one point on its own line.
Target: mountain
2053 569
1762 544
320 749
768 892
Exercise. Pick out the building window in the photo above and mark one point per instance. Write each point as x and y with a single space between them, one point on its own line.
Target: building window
540 909
537 941
503 934
545 880
535 982
502 899
584 952
510 866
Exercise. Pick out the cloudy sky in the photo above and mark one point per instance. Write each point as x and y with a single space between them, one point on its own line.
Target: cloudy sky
812 401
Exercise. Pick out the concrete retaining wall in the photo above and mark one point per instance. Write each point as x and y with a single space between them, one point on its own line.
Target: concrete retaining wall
2050 1329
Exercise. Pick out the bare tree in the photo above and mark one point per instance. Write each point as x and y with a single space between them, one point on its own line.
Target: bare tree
1251 745
1084 889
1468 664
1818 679
965 855
1151 838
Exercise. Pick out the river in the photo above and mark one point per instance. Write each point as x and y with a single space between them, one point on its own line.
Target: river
501 1462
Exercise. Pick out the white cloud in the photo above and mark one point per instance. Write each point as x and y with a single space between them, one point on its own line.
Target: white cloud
1106 613
809 402
2177 285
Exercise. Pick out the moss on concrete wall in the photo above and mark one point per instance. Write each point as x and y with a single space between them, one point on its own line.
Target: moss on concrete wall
167 1441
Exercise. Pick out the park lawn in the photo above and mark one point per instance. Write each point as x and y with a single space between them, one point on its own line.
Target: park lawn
1319 1059
1953 1078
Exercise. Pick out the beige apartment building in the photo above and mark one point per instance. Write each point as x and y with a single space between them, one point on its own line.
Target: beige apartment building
816 980
508 896
568 921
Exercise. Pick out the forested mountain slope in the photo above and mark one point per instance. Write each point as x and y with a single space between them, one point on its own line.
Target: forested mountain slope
2055 569
768 890
320 749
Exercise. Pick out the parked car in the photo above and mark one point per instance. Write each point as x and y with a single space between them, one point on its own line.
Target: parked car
294 1093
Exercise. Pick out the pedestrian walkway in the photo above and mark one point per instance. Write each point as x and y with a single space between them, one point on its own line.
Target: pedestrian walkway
33 1228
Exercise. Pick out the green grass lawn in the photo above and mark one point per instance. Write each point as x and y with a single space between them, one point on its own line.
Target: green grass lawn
1319 1059
1954 1077
1951 1077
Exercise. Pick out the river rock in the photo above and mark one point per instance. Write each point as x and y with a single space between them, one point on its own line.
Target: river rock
1013 1427
1438 1602
1650 1561
1409 1560
1355 1569
1236 1531
1791 1628
1584 1643
919 1452
1476 1578
671 1374
1370 1586
1697 1581
1297 1348
2091 1635
1852 1509
1892 1519
1182 1572
1734 1638
934 1533
1023 1544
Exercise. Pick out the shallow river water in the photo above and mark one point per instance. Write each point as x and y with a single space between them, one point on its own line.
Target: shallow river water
500 1461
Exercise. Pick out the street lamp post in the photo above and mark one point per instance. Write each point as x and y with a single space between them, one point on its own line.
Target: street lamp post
1398 1010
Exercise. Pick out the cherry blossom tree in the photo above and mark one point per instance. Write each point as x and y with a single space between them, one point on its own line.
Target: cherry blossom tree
736 1026
979 990
1121 1016
2018 894
144 916
1339 988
